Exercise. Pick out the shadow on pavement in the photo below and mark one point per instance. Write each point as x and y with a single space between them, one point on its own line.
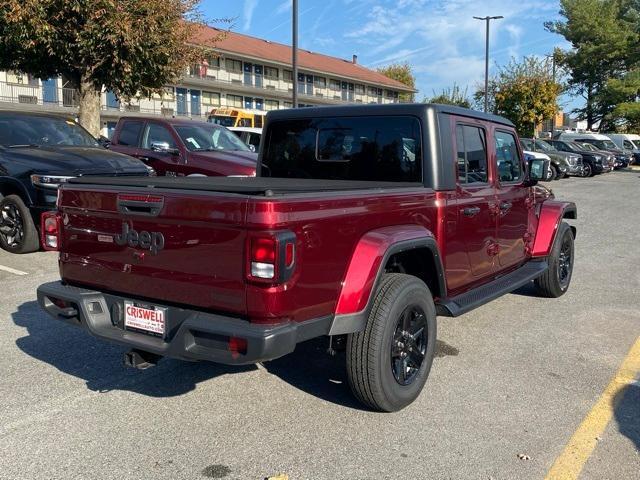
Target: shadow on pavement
627 413
528 290
99 363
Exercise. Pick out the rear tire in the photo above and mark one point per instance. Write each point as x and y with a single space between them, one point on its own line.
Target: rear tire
389 361
18 233
557 174
551 175
555 281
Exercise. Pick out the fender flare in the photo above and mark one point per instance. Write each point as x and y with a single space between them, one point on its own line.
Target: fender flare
551 214
18 186
366 267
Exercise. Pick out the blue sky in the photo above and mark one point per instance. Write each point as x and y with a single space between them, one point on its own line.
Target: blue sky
439 38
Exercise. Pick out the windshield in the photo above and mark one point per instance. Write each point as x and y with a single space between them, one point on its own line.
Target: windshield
575 147
588 146
604 144
209 138
526 144
223 120
542 145
40 131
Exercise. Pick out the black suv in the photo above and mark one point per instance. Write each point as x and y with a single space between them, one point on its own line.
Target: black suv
592 162
38 152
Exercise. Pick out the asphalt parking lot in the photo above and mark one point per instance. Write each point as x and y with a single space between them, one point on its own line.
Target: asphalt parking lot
512 387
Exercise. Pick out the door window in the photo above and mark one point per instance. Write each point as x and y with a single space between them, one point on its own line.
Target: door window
472 155
508 161
157 133
129 133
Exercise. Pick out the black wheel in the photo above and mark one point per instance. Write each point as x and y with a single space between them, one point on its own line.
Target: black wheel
551 174
555 281
18 234
557 174
388 363
587 171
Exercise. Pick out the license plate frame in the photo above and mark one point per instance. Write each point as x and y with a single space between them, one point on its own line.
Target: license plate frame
145 318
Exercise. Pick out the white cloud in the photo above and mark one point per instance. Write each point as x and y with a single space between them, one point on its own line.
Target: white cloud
247 14
284 7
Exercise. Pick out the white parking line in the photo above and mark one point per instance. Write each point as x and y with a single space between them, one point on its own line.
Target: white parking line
12 270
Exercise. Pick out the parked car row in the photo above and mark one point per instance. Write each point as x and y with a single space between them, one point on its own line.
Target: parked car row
580 155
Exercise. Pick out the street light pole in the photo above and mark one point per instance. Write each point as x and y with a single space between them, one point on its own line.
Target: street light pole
487 19
294 53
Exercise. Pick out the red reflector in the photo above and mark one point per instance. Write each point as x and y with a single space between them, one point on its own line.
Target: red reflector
140 198
237 346
289 255
263 250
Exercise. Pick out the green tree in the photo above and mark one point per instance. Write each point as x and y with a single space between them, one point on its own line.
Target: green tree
129 47
451 96
604 35
623 95
403 73
524 92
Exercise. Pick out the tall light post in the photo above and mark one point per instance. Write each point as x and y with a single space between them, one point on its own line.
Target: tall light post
487 19
294 53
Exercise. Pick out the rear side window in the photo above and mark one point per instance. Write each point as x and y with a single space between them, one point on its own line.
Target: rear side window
345 148
129 133
472 154
508 162
155 133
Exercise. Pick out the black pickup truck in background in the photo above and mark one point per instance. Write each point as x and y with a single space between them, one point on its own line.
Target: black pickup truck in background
38 152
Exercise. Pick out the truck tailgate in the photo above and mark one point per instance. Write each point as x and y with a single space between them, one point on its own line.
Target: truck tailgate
182 247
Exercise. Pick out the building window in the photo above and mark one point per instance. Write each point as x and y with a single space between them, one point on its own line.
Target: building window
21 78
287 75
234 66
234 101
271 72
288 105
248 103
168 94
211 98
359 89
213 62
271 105
334 85
320 82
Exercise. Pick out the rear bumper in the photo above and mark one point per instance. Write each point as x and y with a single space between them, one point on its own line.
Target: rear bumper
191 335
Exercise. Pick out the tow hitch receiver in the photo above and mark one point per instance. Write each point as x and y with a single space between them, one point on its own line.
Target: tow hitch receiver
140 359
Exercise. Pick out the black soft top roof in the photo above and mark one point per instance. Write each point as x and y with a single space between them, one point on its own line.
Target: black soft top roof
417 109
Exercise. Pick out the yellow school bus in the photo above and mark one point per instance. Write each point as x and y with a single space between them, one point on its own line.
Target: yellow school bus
237 117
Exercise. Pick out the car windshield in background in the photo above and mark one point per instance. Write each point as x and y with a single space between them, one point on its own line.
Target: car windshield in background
345 148
576 147
41 131
588 146
210 138
604 144
526 144
544 146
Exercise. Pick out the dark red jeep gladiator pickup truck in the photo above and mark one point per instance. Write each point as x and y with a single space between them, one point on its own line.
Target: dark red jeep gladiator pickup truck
363 224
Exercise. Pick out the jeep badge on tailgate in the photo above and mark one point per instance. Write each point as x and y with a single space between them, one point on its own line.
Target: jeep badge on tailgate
152 241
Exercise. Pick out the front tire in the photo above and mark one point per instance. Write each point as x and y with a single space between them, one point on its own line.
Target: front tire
389 361
551 174
18 233
555 281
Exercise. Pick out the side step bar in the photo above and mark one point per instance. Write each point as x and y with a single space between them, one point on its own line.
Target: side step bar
465 302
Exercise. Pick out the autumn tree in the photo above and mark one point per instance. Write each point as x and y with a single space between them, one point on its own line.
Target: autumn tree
129 47
403 73
451 96
524 92
605 39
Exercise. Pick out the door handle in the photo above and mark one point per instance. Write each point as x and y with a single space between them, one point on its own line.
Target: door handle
504 206
144 159
470 211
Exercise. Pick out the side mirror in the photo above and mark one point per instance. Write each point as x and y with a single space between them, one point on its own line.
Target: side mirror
538 170
104 141
164 147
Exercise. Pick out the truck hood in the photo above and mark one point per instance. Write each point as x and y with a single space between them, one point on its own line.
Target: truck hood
239 158
75 160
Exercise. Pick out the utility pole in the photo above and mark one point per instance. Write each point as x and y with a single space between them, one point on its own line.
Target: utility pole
294 53
553 65
487 19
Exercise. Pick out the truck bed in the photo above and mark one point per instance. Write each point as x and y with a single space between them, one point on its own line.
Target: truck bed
258 186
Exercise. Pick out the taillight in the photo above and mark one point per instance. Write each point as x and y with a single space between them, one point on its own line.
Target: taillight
50 230
271 257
